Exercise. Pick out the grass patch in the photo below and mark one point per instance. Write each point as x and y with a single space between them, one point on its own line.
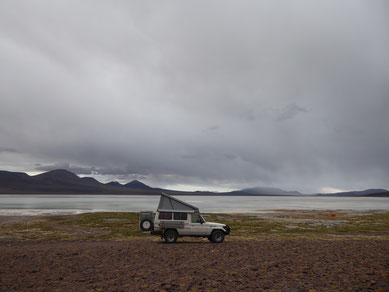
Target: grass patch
124 226
245 226
106 225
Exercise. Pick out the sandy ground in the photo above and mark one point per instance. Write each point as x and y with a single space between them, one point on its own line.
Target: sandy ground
283 265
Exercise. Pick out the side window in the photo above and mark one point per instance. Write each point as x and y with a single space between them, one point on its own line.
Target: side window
196 218
180 216
165 215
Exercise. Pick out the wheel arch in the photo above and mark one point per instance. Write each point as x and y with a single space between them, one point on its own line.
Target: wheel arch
170 228
218 229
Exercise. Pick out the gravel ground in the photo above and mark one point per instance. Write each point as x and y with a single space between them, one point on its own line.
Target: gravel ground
282 265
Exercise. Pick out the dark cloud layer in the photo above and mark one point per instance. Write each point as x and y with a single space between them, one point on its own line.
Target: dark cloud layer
221 94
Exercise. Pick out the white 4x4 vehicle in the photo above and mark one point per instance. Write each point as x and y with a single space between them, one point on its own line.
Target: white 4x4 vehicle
175 218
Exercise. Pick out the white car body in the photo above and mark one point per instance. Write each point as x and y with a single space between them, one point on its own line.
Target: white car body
187 227
175 218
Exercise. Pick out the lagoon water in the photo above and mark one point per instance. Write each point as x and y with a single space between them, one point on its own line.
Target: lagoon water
75 204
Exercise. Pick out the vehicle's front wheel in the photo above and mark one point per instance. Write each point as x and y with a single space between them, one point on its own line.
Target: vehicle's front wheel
170 236
146 225
217 236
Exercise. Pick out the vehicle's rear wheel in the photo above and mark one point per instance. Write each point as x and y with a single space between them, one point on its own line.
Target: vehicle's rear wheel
170 236
209 238
146 225
217 236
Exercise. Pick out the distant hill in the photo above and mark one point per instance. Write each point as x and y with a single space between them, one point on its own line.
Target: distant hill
365 193
114 183
263 191
382 194
136 184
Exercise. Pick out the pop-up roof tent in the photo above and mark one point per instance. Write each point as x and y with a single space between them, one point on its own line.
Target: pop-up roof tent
170 204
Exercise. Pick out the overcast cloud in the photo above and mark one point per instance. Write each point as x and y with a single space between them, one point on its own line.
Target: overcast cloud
198 94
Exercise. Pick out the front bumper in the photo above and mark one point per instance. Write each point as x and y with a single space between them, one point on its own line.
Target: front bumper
227 229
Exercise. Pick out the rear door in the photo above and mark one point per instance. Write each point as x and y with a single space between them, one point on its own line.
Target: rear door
180 220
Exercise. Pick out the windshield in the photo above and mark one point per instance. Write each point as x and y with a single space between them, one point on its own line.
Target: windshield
197 218
202 219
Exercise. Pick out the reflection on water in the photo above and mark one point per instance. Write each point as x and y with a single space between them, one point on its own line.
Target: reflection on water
74 204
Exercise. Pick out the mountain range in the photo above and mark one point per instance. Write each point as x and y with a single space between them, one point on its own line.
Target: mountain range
62 181
266 191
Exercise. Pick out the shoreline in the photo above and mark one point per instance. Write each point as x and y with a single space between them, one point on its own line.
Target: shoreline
76 204
70 212
195 194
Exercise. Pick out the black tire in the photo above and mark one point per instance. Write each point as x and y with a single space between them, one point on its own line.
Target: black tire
209 238
217 236
146 225
170 236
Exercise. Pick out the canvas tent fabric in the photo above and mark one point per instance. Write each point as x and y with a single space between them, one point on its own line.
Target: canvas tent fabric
168 203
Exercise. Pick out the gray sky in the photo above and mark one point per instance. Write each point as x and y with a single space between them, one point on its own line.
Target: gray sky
198 94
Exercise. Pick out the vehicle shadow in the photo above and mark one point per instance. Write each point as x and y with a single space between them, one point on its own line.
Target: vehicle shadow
189 242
